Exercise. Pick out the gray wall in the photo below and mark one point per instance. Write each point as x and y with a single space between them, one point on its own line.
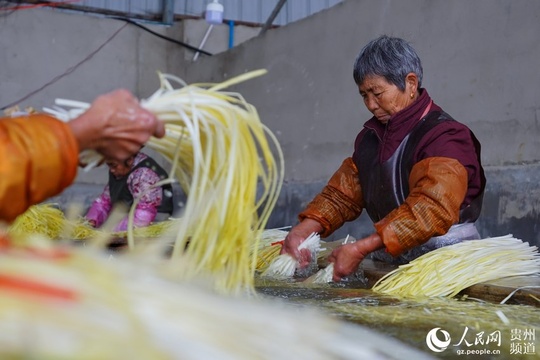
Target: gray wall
55 54
480 64
480 58
37 46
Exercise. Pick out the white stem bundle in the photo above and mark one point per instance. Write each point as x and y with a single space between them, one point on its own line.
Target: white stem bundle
326 275
323 276
284 266
448 270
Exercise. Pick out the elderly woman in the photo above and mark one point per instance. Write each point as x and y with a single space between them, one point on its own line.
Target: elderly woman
415 170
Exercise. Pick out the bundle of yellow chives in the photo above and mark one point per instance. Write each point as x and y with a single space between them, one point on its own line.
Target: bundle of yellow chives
79 304
223 157
43 219
48 219
448 270
266 256
268 248
80 230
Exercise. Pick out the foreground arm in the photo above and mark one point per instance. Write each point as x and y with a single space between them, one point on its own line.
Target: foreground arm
39 154
38 159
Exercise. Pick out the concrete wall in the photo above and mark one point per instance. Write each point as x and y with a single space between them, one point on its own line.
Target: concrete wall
480 64
50 54
37 46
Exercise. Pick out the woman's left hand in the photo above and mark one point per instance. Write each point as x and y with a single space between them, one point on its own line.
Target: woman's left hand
348 257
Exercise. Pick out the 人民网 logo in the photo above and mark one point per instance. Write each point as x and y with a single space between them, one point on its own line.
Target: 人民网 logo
434 343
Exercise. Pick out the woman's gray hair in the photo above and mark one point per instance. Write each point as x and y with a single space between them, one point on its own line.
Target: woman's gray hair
389 57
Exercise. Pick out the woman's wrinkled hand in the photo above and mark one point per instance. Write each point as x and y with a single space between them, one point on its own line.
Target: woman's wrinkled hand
116 126
295 237
348 257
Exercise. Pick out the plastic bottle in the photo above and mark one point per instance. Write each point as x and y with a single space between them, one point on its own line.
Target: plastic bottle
214 12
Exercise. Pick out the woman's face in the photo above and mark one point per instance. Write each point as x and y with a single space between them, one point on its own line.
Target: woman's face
384 99
119 169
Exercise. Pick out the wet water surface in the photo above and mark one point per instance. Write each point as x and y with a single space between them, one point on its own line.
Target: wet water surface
465 326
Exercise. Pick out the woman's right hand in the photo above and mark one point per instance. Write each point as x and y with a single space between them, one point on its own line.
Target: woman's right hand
116 126
296 236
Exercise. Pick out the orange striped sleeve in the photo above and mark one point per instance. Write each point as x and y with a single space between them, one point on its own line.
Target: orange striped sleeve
38 159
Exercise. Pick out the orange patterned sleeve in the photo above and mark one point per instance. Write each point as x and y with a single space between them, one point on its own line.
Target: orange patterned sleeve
38 159
339 201
438 186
